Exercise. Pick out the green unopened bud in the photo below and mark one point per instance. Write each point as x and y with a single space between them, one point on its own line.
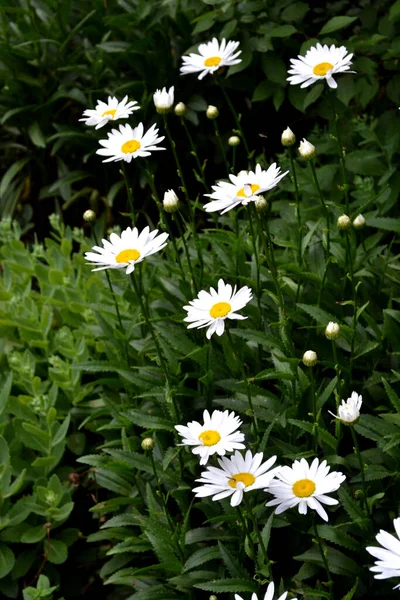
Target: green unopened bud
234 140
213 597
288 138
359 222
212 112
50 497
261 204
307 150
332 331
170 201
89 216
344 222
147 444
180 109
310 358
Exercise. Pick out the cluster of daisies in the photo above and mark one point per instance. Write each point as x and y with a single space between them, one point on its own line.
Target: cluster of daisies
303 485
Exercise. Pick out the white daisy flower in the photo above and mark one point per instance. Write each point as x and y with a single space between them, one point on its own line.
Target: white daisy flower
305 486
109 111
210 309
126 251
128 143
269 594
211 57
349 410
217 434
163 100
243 188
388 563
237 475
320 62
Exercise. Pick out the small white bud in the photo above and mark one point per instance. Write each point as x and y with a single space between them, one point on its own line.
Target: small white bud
242 173
288 138
307 150
261 204
147 444
180 109
163 100
89 216
359 222
212 112
170 201
349 410
310 358
332 331
344 222
234 140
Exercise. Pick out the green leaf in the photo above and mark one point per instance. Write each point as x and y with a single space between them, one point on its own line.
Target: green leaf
57 552
36 135
283 31
339 563
232 563
386 223
228 585
324 397
7 560
337 23
393 397
201 556
147 421
61 432
335 535
9 175
34 534
354 511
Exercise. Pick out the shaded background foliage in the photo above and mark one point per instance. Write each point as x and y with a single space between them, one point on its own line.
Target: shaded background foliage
67 394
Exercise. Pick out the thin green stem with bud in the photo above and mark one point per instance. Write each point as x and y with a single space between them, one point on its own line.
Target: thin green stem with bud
235 115
354 294
361 463
321 197
338 139
314 409
128 189
297 196
193 148
221 145
186 249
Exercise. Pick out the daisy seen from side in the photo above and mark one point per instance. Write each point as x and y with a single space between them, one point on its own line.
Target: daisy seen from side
319 62
349 410
112 110
126 250
164 100
388 563
217 434
127 143
243 188
237 475
269 594
305 486
212 56
211 309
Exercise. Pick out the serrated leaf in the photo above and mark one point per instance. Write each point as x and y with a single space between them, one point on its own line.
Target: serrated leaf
147 421
232 563
393 397
228 585
335 535
201 556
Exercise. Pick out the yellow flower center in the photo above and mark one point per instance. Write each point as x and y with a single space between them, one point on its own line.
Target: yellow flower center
130 146
127 255
209 437
246 478
303 488
111 112
220 309
248 190
322 69
213 61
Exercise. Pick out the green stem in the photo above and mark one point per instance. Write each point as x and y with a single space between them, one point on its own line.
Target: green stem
257 259
361 463
341 157
221 145
235 115
321 197
314 408
247 533
354 294
193 147
338 394
246 382
297 195
128 189
256 529
325 562
182 236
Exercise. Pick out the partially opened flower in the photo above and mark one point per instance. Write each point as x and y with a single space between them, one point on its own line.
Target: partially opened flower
237 475
163 100
269 594
243 188
319 62
128 143
305 486
109 111
388 563
210 309
349 410
211 57
127 250
217 434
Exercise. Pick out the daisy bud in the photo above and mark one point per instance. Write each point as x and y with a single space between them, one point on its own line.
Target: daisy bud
310 358
261 204
89 216
344 222
359 222
170 201
241 173
180 109
349 410
234 140
307 150
212 112
147 444
288 138
332 331
213 597
163 100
